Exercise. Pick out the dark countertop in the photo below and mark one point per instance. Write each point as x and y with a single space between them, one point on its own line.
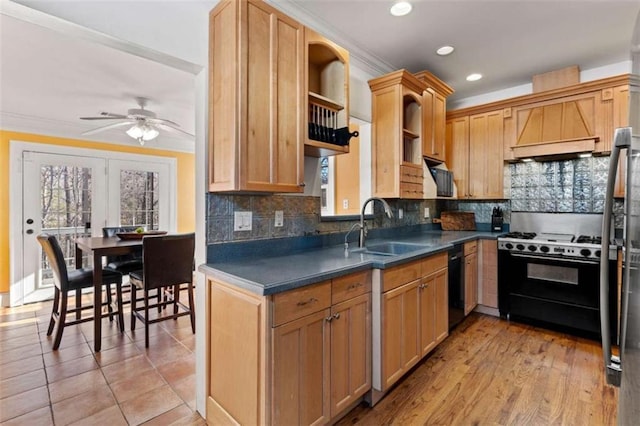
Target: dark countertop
271 275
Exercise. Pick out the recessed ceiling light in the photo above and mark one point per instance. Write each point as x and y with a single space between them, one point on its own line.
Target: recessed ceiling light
400 8
474 77
445 50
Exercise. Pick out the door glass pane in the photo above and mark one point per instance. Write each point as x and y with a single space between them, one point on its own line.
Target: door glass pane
65 201
139 199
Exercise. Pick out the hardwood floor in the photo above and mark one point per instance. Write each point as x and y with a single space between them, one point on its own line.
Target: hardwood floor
491 371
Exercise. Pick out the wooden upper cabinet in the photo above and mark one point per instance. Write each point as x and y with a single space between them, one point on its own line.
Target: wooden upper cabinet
256 127
398 167
620 106
327 90
457 147
434 115
486 168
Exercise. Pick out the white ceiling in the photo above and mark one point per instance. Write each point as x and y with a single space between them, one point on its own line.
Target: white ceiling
50 78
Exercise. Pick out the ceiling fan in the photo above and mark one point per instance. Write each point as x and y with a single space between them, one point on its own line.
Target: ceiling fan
145 125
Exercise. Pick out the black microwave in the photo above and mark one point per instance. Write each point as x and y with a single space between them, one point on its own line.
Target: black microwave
444 182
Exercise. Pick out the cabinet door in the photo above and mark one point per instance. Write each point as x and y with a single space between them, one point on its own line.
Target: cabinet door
489 266
427 296
441 305
301 371
272 141
457 151
350 351
400 339
486 152
439 115
428 99
470 282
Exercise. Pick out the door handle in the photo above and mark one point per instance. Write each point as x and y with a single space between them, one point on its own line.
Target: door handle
29 221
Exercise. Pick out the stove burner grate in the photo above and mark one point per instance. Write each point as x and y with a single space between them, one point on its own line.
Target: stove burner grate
521 235
588 239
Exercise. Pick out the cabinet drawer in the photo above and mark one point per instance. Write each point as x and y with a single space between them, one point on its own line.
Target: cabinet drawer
411 190
303 301
434 263
411 174
350 286
470 247
399 275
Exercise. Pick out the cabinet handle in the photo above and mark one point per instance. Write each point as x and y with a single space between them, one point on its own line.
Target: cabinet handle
336 316
302 184
306 302
329 319
354 286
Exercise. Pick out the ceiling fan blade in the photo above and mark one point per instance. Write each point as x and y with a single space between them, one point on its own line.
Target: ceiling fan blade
172 129
163 121
107 127
105 116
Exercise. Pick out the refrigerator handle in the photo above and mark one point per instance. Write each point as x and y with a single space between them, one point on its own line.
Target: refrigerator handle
622 139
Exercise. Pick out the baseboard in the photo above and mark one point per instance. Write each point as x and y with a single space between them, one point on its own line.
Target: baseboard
5 302
487 310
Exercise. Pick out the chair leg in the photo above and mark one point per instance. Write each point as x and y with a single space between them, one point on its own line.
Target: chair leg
109 301
54 311
176 299
133 307
61 321
78 303
119 305
160 294
192 312
146 317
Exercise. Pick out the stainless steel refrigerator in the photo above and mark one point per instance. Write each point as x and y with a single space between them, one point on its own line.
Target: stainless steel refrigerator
624 371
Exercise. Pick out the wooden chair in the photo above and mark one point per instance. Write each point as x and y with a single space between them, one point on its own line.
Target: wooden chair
167 264
75 280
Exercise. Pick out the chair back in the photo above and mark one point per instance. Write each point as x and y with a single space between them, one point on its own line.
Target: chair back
168 259
55 256
111 231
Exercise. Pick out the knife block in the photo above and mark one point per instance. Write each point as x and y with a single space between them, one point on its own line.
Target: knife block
496 223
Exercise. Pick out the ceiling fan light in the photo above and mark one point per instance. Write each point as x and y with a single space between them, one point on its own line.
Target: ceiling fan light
149 133
135 131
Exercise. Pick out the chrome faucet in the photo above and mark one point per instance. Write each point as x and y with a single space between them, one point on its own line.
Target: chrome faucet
362 226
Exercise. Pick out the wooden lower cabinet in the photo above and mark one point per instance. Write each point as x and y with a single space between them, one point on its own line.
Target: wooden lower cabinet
470 277
412 317
301 370
350 352
488 273
400 346
293 358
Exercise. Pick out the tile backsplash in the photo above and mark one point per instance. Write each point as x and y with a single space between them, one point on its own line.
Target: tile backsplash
568 186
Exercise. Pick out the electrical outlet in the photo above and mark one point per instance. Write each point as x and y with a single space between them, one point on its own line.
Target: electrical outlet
345 203
279 220
426 213
400 213
242 221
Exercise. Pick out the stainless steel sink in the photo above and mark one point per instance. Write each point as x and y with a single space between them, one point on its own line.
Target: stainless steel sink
391 248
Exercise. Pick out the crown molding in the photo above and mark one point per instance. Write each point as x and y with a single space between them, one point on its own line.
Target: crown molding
358 57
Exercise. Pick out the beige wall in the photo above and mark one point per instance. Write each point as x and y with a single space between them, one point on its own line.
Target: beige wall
185 197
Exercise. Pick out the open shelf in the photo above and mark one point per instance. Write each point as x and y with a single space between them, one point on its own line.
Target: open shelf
323 101
314 148
409 134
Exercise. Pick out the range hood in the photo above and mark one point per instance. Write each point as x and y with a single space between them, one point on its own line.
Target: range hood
561 129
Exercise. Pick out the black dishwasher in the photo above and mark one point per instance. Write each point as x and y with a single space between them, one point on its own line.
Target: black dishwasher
456 285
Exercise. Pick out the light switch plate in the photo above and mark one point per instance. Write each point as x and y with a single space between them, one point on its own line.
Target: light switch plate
426 213
242 221
279 219
345 203
400 213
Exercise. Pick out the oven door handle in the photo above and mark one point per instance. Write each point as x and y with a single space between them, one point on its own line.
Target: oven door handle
561 259
612 366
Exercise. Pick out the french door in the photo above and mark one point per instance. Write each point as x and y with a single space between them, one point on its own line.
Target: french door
70 195
59 199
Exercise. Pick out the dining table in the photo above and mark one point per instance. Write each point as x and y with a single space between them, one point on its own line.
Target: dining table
97 248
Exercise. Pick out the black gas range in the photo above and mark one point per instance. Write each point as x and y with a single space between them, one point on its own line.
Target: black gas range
553 244
549 271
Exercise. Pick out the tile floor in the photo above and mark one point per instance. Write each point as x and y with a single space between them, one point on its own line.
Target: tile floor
124 384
